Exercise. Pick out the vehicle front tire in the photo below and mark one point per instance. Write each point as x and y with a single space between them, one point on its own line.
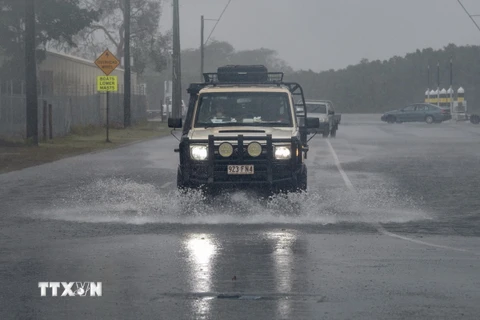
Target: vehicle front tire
302 182
181 185
429 119
391 119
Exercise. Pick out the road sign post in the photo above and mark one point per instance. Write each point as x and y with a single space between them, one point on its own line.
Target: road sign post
107 84
108 118
107 62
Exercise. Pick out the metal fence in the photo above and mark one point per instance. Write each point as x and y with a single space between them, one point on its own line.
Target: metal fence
74 107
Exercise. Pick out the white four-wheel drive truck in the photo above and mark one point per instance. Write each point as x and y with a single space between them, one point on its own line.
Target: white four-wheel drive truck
244 130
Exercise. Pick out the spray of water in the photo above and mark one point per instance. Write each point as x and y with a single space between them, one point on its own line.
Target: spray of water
127 201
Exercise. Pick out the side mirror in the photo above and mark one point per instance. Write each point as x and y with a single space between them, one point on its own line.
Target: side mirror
313 123
174 123
331 112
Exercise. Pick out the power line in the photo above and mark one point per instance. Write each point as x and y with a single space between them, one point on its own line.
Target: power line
220 18
471 17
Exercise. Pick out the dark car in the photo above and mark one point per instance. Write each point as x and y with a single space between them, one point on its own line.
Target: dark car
418 112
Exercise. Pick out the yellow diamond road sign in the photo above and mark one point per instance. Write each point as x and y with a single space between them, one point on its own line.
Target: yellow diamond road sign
107 83
107 62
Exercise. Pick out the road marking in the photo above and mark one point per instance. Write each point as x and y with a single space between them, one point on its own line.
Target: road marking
379 227
393 235
166 185
340 169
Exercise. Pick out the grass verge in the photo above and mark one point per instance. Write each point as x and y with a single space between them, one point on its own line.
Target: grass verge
16 156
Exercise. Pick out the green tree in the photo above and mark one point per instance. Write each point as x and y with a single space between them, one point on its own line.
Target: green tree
57 21
149 45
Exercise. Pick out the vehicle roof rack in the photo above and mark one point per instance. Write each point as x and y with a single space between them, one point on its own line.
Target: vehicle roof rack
234 75
239 74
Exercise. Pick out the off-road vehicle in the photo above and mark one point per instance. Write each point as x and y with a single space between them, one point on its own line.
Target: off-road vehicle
244 130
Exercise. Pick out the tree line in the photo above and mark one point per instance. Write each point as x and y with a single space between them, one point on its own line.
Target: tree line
366 87
378 86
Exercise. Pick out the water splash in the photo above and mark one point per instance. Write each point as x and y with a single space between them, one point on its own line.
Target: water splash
127 201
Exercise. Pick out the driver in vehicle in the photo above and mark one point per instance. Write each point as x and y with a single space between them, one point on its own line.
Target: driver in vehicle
219 111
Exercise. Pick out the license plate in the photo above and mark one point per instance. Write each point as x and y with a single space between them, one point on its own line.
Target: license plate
240 169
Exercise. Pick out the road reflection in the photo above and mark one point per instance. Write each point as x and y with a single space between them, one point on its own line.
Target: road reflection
267 264
283 270
201 251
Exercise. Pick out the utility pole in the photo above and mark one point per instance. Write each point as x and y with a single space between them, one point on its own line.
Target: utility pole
202 47
31 73
176 64
451 72
450 90
438 83
127 75
428 77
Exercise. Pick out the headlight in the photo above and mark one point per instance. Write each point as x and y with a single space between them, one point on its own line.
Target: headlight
323 119
282 153
199 152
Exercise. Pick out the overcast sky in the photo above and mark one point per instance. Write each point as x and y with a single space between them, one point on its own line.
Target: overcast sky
330 34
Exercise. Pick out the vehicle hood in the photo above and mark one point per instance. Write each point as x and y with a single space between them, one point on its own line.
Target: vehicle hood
276 132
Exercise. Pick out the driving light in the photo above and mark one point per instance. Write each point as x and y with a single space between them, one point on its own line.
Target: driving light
254 149
282 153
225 149
323 119
199 152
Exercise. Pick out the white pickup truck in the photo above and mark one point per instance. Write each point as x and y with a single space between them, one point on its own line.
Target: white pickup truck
325 112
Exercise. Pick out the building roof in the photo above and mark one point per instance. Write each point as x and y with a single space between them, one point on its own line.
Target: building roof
76 59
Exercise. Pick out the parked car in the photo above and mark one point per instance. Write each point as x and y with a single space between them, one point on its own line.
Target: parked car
418 112
325 112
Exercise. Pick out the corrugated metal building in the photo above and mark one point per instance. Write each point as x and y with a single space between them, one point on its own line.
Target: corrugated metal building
68 83
62 74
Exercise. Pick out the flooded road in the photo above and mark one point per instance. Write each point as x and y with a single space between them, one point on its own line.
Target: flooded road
389 229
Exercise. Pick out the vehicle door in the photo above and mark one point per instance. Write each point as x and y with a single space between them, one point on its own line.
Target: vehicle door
406 114
420 112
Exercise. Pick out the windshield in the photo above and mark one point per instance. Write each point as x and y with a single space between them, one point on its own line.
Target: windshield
316 108
243 108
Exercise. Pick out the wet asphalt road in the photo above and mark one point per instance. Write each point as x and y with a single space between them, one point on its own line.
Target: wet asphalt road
389 230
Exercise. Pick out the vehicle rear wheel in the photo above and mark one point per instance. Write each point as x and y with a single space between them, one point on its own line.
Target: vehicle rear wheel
391 119
333 132
429 119
326 133
475 119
